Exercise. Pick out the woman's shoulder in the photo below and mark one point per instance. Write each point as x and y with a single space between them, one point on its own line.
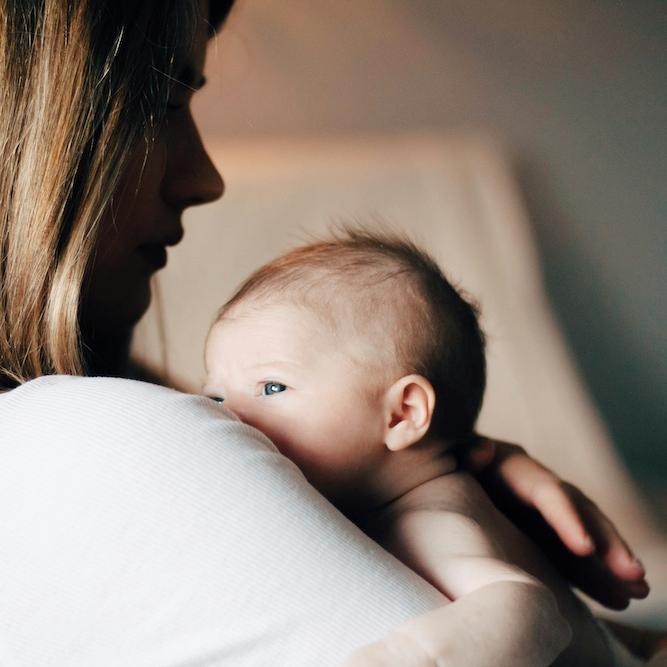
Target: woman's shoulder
130 507
99 397
117 409
66 388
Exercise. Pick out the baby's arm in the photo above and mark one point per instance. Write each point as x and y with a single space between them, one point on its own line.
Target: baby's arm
501 615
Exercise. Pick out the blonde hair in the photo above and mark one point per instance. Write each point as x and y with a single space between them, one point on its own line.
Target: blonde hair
82 83
396 302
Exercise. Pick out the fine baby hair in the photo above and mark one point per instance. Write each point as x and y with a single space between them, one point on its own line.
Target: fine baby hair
391 296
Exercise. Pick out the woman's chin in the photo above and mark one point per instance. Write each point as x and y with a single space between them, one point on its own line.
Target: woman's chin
139 303
117 312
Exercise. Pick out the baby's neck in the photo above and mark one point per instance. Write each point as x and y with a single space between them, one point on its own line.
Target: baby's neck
400 474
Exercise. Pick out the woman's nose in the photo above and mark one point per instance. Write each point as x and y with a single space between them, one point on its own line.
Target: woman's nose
191 177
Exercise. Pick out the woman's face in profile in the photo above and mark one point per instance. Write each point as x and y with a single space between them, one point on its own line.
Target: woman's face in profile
144 218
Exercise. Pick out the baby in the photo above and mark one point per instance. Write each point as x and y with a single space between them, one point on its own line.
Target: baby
363 364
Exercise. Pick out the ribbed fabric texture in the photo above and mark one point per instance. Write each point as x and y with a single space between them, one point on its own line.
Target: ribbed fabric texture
143 526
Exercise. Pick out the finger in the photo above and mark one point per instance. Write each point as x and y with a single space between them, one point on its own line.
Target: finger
608 571
639 590
615 576
584 529
614 555
610 547
590 576
622 562
601 584
593 577
522 474
614 602
538 487
552 501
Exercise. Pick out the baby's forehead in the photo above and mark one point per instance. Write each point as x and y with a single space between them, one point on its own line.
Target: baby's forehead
289 335
328 319
277 311
270 326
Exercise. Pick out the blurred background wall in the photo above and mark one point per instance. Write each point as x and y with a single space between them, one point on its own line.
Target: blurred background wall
577 92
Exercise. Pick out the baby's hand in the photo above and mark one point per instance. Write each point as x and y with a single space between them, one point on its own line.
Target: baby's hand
578 538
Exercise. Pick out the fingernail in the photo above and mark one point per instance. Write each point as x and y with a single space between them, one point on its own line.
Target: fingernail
587 543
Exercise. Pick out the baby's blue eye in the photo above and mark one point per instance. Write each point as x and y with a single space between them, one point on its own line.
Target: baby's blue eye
271 388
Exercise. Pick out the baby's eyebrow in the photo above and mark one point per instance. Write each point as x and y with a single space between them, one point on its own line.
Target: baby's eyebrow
273 364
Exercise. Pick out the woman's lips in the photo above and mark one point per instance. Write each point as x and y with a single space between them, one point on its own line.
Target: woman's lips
155 255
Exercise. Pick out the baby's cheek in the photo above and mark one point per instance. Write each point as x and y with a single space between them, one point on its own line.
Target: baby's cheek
314 457
284 435
323 445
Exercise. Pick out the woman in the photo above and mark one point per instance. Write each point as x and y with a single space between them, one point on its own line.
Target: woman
141 526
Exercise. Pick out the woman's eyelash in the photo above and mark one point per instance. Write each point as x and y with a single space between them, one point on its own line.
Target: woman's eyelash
271 388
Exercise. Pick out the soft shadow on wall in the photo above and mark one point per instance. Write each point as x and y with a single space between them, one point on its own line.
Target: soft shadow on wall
576 90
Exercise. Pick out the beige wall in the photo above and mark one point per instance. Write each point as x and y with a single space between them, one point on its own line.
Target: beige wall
577 91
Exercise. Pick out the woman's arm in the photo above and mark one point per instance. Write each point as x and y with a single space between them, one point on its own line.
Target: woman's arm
500 615
467 632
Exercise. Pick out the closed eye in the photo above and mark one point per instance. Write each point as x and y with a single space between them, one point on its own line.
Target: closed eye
271 388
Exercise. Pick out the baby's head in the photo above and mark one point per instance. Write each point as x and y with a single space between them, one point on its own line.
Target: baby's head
345 350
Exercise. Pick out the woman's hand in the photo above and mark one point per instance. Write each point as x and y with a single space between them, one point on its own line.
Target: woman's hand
578 538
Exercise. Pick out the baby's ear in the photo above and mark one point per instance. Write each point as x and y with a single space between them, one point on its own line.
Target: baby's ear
409 405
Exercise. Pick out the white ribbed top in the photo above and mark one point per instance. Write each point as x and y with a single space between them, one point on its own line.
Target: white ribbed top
143 526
